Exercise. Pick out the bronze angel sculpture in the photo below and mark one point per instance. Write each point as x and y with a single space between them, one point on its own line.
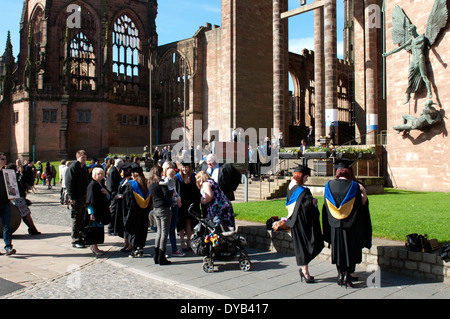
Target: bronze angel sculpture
405 34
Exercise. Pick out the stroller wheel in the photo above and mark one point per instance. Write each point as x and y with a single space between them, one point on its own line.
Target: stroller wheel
245 264
208 266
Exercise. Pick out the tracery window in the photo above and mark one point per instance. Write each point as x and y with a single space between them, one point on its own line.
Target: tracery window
83 62
126 50
36 25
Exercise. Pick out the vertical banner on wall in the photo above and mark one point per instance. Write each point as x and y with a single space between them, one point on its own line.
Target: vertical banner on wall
330 116
372 122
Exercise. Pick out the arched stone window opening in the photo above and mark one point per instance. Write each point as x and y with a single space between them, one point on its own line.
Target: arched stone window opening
83 63
126 50
170 76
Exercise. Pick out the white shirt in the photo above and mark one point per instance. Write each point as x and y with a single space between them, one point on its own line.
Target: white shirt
214 173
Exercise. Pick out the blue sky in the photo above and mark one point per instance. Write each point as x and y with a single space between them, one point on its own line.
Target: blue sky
180 19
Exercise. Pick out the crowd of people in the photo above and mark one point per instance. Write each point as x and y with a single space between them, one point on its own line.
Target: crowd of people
117 194
120 196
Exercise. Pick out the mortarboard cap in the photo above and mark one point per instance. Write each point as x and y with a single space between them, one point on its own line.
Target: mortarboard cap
302 169
185 163
136 168
343 163
125 165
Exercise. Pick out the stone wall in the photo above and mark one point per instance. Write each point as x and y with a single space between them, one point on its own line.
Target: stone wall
389 256
418 160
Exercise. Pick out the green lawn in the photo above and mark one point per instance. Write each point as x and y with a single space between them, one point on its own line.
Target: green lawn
394 214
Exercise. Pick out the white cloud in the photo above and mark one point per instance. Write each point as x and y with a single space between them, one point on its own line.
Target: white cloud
297 46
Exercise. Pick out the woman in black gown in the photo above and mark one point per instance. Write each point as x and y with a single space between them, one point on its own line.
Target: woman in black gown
346 221
304 221
97 204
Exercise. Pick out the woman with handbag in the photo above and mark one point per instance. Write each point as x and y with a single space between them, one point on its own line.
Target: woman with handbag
97 212
304 221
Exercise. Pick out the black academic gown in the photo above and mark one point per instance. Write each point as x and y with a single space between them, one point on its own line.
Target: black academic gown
99 201
305 227
349 235
136 207
112 184
118 218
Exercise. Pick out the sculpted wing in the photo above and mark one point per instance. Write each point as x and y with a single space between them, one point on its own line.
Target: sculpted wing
400 24
437 20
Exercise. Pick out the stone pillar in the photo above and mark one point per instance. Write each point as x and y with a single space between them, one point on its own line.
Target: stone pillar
279 70
64 128
371 75
330 64
319 75
227 103
360 74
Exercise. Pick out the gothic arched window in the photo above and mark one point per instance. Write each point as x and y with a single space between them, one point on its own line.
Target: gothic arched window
36 29
83 62
171 74
126 50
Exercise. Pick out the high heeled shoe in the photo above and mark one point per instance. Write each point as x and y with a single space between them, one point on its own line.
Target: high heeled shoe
97 252
309 280
348 281
341 278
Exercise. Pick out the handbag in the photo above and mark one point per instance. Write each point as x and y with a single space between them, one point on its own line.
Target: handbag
94 233
270 222
418 243
198 246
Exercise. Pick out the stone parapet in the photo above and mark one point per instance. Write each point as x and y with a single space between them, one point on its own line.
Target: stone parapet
390 256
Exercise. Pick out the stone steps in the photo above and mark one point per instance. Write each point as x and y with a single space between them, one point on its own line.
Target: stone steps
263 190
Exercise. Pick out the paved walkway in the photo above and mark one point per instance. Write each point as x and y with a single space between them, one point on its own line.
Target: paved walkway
47 266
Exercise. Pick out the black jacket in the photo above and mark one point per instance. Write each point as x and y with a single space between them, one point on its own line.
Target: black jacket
77 181
113 181
161 195
229 178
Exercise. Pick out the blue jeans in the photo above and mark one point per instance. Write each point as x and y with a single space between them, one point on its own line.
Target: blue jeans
5 215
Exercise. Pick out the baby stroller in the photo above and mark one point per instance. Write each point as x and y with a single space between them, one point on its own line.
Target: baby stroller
217 243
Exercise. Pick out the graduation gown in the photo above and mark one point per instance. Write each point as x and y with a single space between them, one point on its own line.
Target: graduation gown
346 223
118 217
99 201
112 184
304 221
136 207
